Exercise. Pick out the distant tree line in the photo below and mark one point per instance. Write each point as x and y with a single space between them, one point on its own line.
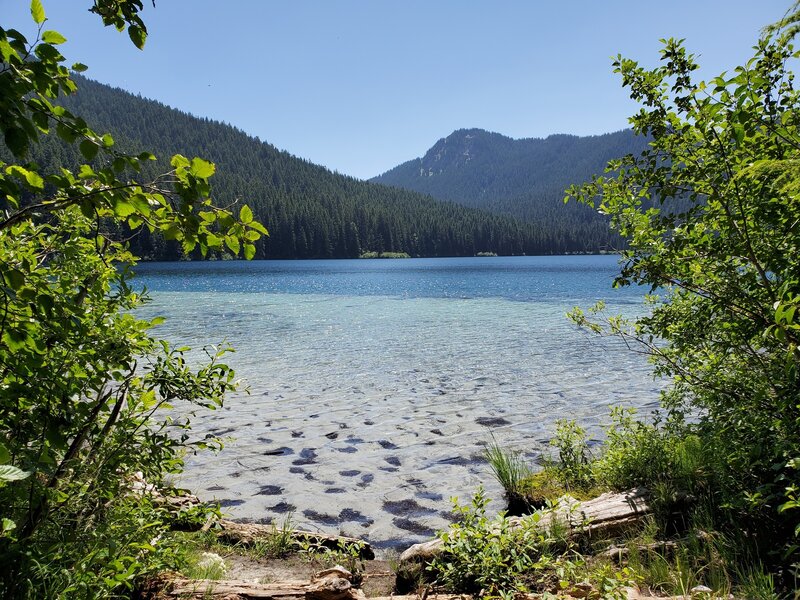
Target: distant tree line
310 212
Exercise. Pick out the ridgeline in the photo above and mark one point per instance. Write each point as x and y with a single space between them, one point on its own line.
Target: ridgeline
310 211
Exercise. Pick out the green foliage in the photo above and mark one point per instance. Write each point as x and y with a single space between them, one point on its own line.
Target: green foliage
279 543
634 453
483 554
723 564
497 558
545 486
574 458
85 393
346 554
711 212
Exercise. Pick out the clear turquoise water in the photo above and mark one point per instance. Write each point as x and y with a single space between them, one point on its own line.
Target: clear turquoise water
375 383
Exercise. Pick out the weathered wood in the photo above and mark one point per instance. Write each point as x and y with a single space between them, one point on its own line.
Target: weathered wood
333 584
246 534
607 515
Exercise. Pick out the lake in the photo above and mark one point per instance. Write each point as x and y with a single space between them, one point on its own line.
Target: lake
374 384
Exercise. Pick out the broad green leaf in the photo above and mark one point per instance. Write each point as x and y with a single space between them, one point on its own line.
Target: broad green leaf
232 243
87 208
148 399
88 149
12 473
138 36
202 168
37 11
53 37
5 455
258 227
14 278
33 179
66 133
213 241
86 172
139 201
41 121
179 161
738 133
108 141
7 51
246 215
171 232
8 525
124 209
79 67
249 251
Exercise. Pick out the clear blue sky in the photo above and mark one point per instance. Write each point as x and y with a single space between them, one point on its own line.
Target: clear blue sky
362 85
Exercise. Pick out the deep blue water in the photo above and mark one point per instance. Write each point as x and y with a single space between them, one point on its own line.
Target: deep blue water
523 278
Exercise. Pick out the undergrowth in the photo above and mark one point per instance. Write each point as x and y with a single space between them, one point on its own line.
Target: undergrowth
693 539
496 557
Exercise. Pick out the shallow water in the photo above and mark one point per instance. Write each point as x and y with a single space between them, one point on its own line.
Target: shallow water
374 384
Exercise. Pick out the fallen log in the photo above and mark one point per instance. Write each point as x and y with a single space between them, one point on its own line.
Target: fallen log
333 584
608 515
246 534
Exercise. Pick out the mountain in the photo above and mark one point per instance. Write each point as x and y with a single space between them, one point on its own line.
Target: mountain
525 178
310 211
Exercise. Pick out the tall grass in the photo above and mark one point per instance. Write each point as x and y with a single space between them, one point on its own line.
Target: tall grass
511 471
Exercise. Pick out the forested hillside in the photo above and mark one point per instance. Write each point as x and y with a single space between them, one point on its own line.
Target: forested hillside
525 178
310 212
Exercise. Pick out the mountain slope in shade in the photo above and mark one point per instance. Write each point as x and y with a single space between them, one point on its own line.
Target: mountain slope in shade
525 178
310 211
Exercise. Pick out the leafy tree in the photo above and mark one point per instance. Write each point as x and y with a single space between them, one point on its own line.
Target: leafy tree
712 214
84 389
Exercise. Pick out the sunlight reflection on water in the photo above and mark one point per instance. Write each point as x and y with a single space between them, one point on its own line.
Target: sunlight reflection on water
360 401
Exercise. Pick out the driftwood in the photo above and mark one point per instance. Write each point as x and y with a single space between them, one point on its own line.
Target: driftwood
333 584
246 534
607 515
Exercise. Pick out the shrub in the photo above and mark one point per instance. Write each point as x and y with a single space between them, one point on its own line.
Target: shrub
634 453
574 458
83 386
486 555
